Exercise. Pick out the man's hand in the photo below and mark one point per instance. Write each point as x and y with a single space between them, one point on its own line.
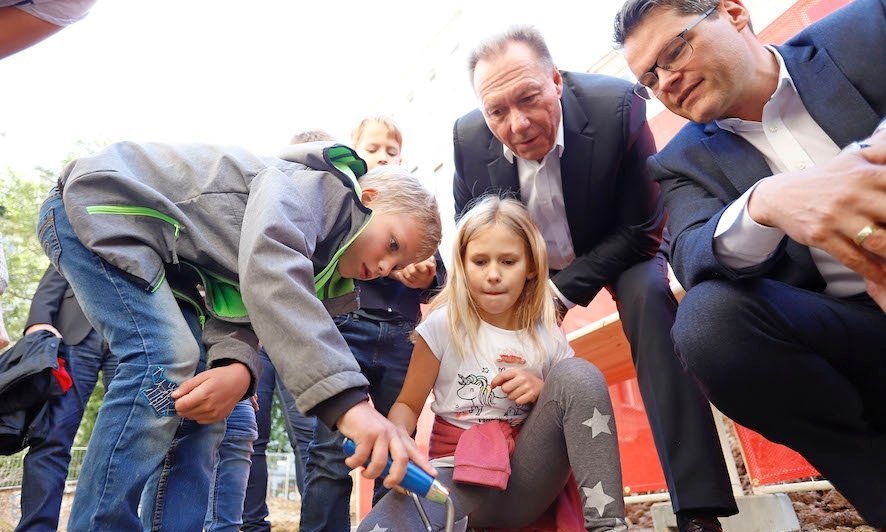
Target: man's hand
42 327
521 386
417 275
210 396
828 205
376 437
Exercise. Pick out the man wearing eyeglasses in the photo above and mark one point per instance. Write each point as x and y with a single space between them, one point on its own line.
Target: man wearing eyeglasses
777 217
573 148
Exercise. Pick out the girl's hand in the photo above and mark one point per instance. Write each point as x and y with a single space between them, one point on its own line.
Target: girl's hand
521 386
210 396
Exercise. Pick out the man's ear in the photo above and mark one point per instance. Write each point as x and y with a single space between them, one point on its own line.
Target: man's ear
736 13
558 81
368 196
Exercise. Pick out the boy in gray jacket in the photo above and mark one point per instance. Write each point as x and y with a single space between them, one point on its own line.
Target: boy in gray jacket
184 258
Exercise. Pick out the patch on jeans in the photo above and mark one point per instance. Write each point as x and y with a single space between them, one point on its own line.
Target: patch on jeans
158 394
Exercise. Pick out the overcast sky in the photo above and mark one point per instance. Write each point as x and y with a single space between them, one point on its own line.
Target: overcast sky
247 73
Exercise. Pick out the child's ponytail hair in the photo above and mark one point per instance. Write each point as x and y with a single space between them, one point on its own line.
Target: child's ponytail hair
534 306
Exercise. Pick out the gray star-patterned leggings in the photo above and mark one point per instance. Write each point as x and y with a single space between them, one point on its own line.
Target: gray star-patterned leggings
570 429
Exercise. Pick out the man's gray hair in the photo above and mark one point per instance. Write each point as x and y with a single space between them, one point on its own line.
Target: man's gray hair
633 12
497 44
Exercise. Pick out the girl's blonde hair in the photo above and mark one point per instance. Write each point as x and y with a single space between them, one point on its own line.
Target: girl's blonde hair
534 307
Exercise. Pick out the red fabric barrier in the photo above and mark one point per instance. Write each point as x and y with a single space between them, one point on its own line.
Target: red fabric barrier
640 467
770 462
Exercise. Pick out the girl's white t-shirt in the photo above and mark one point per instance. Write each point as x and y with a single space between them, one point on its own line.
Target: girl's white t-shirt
462 395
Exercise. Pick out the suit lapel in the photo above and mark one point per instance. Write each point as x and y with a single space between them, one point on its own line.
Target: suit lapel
741 162
834 103
576 164
502 174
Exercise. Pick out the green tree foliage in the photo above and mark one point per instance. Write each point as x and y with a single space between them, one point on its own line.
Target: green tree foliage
20 201
278 442
84 431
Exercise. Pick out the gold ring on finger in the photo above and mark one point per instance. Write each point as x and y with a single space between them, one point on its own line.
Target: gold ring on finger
863 235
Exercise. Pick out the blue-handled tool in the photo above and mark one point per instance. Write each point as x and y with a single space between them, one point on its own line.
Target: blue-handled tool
416 479
417 482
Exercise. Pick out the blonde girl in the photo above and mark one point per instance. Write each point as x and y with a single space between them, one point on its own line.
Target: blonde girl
515 413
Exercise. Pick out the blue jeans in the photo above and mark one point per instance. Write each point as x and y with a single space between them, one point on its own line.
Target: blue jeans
228 488
383 350
137 434
46 464
300 430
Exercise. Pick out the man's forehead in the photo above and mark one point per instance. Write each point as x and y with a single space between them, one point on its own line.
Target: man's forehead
514 78
658 26
516 58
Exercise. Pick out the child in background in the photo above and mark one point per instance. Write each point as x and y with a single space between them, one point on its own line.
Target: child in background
378 335
501 370
378 141
137 229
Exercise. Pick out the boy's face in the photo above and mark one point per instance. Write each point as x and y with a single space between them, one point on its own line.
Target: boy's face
377 147
390 242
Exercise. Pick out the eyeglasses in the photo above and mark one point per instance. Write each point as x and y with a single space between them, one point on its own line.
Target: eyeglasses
673 56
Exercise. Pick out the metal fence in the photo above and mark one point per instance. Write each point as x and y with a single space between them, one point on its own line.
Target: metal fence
281 472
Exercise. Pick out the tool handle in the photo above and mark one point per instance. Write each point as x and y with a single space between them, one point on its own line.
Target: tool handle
416 479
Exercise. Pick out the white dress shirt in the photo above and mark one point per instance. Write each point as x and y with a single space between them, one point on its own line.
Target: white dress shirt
789 139
541 190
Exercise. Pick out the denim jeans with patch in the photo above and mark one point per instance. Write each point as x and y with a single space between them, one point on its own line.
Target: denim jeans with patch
137 434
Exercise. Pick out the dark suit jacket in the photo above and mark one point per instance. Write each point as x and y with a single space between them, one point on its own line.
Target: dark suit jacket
54 303
839 68
612 206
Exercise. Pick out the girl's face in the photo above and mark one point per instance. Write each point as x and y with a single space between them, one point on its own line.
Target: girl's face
497 268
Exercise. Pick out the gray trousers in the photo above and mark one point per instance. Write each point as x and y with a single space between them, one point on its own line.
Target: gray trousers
570 429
